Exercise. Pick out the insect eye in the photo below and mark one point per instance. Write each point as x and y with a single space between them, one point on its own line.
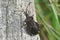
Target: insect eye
31 18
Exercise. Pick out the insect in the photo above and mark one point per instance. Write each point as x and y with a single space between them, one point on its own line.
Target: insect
32 27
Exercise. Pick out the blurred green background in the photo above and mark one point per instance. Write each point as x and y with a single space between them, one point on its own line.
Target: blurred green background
48 15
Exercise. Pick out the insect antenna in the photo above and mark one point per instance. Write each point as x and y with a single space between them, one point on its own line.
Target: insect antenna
26 11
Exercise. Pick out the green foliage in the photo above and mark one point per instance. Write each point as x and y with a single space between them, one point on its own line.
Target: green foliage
49 16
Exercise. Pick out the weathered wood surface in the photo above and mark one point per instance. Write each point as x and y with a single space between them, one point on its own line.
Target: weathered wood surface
11 19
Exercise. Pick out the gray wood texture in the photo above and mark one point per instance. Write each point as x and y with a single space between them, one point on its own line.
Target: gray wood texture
12 17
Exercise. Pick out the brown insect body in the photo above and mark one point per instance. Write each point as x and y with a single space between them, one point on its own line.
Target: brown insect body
32 27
